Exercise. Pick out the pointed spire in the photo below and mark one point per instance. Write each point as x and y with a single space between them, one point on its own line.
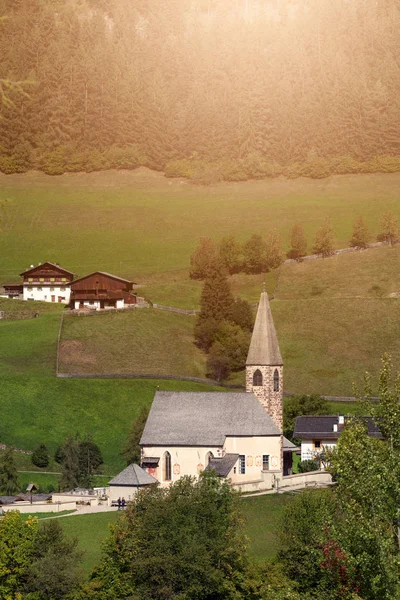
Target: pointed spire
264 347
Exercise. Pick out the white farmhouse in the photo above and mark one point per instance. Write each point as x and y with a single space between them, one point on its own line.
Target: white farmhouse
47 282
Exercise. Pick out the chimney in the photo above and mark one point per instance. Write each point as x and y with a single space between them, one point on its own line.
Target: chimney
341 420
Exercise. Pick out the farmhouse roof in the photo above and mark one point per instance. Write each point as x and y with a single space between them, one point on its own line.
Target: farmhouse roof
222 466
133 476
102 273
204 419
46 264
264 347
310 427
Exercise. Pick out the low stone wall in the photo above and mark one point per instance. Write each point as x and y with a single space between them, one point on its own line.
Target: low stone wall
92 500
305 479
26 508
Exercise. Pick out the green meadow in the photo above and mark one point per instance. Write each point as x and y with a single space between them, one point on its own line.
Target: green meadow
140 223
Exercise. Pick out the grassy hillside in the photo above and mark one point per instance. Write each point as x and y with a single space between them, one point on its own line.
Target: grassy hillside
140 223
140 341
335 318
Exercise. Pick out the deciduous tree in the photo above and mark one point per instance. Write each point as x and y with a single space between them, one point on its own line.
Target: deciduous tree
324 241
298 243
254 253
389 228
203 259
185 541
230 252
361 235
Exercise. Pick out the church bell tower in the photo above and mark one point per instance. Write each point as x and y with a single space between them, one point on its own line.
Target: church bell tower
264 364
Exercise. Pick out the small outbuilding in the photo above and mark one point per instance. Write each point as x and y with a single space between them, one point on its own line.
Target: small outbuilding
126 484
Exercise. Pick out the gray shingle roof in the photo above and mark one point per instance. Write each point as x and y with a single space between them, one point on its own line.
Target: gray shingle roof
222 466
310 427
204 418
264 347
134 476
288 446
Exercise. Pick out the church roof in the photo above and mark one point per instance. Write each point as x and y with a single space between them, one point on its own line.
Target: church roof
133 476
264 347
223 465
204 419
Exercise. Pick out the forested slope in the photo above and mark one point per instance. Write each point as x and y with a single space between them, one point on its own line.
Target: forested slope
204 88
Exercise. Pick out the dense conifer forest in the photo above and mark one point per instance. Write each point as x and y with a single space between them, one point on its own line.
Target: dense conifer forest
209 89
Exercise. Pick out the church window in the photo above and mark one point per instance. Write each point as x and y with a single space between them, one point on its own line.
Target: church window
242 464
209 455
265 464
276 381
257 377
167 466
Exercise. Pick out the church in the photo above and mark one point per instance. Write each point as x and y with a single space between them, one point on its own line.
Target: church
238 435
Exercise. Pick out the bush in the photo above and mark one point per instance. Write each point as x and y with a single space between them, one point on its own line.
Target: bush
305 466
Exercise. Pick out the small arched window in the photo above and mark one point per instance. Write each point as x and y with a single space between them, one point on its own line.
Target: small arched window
276 381
257 377
209 455
167 466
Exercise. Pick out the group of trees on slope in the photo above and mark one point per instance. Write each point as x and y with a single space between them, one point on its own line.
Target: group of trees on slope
260 255
208 89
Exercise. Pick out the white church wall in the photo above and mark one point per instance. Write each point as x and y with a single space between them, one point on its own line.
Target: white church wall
184 460
253 448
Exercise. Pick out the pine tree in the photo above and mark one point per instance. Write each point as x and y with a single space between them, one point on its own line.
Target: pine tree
389 228
70 464
216 298
131 451
298 243
40 456
324 241
9 483
361 236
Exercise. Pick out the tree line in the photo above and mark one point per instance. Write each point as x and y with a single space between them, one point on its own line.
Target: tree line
208 89
79 459
260 255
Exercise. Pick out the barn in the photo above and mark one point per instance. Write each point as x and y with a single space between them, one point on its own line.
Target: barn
101 290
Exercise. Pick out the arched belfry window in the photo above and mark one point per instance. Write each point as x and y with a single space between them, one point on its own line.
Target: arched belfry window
257 377
276 381
209 455
167 466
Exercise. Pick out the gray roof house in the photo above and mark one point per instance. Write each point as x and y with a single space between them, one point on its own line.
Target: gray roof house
127 483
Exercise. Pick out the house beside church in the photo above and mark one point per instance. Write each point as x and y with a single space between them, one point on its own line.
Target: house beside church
322 432
238 435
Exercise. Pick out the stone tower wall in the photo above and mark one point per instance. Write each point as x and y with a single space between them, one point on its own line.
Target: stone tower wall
270 400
